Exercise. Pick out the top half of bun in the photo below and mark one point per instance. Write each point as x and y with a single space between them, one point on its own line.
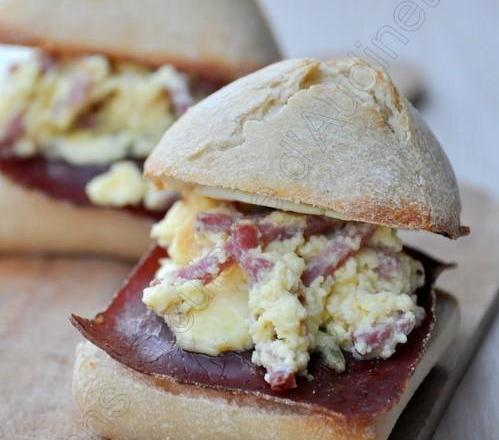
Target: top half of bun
222 39
322 137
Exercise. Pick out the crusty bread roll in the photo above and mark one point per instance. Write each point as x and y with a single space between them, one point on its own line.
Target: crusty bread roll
221 39
334 138
34 222
360 152
119 403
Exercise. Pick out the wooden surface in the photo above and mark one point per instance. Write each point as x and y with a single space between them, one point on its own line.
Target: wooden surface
37 341
476 284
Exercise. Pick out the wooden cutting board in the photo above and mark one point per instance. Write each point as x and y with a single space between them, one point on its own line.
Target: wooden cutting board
37 342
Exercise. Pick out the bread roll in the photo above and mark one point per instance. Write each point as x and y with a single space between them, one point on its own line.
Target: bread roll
220 39
34 222
119 403
333 137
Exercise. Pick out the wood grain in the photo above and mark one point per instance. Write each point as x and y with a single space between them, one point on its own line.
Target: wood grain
37 342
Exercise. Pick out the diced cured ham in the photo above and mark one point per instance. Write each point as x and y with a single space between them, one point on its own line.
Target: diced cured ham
320 225
315 225
281 380
272 233
342 245
80 87
245 236
388 265
206 268
76 96
14 129
214 222
380 340
269 232
255 267
249 232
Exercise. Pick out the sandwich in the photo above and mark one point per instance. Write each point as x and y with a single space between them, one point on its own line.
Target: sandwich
279 301
79 116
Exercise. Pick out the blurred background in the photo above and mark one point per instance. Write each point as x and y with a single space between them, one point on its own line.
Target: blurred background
454 44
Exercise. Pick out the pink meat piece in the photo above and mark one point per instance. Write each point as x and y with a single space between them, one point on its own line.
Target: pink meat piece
376 338
388 265
246 237
14 130
255 267
80 87
220 222
249 232
206 268
214 222
320 225
77 94
337 251
270 232
383 335
315 225
281 380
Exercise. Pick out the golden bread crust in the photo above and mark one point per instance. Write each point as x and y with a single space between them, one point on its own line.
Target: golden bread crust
336 136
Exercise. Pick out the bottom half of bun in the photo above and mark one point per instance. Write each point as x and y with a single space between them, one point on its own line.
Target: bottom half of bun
34 222
119 403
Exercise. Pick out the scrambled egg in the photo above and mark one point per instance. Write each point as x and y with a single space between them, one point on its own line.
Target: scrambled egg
123 185
367 306
89 110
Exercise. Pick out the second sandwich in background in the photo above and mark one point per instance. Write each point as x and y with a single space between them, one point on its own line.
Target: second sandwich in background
78 118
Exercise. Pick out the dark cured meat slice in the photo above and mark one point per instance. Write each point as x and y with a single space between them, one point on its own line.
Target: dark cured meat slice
142 341
61 180
56 178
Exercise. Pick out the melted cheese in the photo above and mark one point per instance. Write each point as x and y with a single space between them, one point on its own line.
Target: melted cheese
207 319
375 287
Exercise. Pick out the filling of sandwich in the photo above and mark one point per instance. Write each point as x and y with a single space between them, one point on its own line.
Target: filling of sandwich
284 285
89 112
